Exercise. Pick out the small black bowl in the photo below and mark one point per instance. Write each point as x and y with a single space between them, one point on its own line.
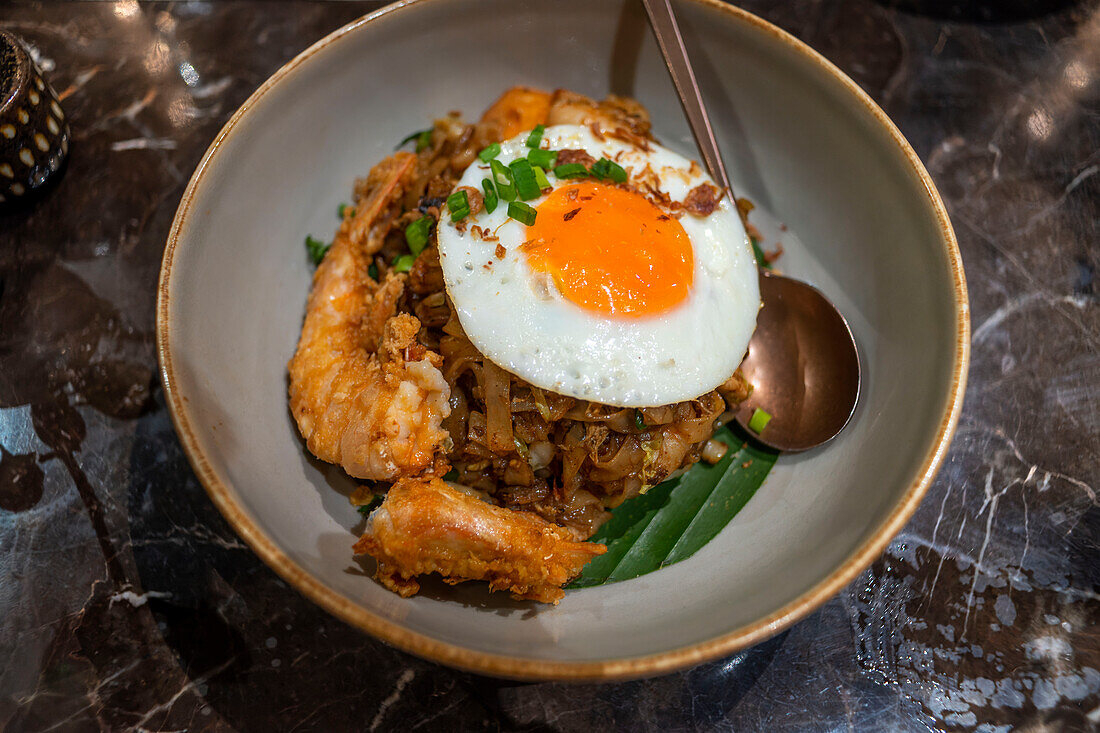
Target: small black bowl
34 132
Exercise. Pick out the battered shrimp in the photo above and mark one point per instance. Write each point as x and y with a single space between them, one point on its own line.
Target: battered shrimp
518 109
522 108
429 527
615 115
365 394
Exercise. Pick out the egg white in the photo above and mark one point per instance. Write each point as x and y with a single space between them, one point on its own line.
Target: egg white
529 329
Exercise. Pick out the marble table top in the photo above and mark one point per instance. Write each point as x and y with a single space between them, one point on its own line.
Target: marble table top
127 602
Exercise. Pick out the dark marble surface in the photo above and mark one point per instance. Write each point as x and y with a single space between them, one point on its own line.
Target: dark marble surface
127 602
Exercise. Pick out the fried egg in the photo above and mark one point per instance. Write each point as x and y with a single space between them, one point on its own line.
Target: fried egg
611 295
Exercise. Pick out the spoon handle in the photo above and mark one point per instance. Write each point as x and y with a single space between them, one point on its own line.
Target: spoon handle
664 25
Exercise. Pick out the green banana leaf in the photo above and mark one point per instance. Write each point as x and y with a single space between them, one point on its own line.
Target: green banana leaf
671 521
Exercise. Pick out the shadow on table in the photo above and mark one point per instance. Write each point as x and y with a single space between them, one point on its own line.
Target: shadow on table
980 11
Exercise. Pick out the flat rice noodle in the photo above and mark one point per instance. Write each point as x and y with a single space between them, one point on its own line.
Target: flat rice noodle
659 415
573 454
556 404
627 461
619 419
476 431
496 386
459 357
455 423
454 328
694 431
529 427
673 447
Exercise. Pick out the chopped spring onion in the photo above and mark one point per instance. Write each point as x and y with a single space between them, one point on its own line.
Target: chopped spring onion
639 421
540 178
542 158
571 170
604 168
491 199
617 172
489 152
759 421
416 234
317 249
524 177
758 252
502 177
535 137
451 475
342 209
373 271
423 139
459 205
403 263
522 213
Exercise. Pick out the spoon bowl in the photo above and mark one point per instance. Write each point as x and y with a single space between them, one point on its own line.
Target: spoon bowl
803 365
802 360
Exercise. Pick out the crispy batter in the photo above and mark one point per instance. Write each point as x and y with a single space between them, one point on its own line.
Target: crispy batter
359 402
429 527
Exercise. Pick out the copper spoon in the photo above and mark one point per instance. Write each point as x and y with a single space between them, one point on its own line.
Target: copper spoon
802 360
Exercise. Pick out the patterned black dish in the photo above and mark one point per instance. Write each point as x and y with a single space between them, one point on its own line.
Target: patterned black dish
34 133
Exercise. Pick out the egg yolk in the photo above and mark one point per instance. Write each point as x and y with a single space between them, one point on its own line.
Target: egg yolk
611 251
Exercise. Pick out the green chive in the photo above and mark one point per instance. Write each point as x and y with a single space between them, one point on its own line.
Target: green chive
604 168
489 152
317 249
522 213
491 200
571 170
758 252
759 421
373 271
423 139
403 263
459 205
451 475
616 172
502 177
535 137
524 177
342 208
639 422
416 234
540 178
542 158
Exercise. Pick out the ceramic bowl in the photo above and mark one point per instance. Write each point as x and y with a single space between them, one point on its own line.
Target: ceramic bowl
865 225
